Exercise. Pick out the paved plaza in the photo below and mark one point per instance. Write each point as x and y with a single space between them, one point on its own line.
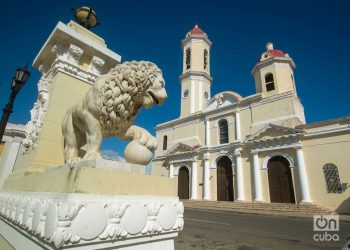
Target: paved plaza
223 230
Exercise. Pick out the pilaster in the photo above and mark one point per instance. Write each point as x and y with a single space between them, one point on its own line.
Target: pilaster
194 181
240 177
304 183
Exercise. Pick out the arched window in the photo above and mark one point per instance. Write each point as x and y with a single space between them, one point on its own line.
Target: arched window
165 142
223 131
332 179
205 59
270 84
188 58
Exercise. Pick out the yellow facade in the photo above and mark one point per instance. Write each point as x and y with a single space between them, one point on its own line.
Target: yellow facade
257 135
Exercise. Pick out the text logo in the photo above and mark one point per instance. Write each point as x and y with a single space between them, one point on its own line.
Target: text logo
326 223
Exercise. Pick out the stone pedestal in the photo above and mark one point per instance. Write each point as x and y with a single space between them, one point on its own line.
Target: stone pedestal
90 205
50 220
93 177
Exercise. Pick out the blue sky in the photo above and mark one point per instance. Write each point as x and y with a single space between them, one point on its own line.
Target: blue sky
316 34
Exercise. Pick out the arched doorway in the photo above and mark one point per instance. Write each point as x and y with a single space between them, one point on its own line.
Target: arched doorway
280 180
183 183
224 179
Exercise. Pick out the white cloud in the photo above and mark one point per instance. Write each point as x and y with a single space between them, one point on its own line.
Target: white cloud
148 168
111 155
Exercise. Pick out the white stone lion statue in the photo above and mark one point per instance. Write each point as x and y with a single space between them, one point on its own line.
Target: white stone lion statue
109 109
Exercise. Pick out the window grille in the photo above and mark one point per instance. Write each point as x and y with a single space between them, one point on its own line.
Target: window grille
332 179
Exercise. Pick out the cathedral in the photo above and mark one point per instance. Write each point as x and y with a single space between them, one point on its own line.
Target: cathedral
256 148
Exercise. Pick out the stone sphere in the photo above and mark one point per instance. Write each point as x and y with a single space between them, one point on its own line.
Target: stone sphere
137 154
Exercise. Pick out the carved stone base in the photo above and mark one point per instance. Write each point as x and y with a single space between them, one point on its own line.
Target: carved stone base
93 177
53 220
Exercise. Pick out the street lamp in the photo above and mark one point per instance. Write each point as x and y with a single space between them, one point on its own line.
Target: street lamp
18 81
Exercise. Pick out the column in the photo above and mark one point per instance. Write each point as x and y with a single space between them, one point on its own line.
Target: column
206 178
171 170
239 177
9 157
304 184
207 132
257 178
194 181
238 126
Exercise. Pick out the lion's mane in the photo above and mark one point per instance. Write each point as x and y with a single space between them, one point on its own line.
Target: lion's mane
121 93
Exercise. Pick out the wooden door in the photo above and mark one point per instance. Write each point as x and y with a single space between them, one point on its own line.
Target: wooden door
224 179
280 180
183 183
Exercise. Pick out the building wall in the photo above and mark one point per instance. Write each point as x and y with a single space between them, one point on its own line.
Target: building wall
319 151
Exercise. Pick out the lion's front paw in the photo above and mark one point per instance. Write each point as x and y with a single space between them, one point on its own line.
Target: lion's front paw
149 141
92 156
73 160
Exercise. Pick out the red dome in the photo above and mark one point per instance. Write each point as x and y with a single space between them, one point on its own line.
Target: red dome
271 52
276 52
196 31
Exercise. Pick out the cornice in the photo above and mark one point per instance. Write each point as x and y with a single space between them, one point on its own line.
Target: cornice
271 60
195 37
340 129
191 73
65 33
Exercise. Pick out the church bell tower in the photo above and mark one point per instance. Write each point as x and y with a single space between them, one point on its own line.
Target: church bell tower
274 72
195 79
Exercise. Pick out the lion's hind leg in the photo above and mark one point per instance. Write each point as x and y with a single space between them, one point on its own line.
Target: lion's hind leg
70 139
93 136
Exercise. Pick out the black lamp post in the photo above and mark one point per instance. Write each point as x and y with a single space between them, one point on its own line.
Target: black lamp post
18 81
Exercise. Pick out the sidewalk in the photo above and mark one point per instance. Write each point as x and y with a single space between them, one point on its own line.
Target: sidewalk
275 209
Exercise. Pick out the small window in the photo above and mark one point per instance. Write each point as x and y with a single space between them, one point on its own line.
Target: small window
206 95
188 58
185 93
270 84
223 131
165 142
205 59
332 179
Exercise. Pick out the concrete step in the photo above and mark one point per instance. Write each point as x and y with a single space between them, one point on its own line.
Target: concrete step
265 207
306 209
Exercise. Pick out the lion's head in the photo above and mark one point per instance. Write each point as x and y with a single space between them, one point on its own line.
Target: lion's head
126 88
156 94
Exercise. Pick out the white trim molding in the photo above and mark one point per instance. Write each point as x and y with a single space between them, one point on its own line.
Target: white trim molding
215 160
61 220
179 165
268 157
192 93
